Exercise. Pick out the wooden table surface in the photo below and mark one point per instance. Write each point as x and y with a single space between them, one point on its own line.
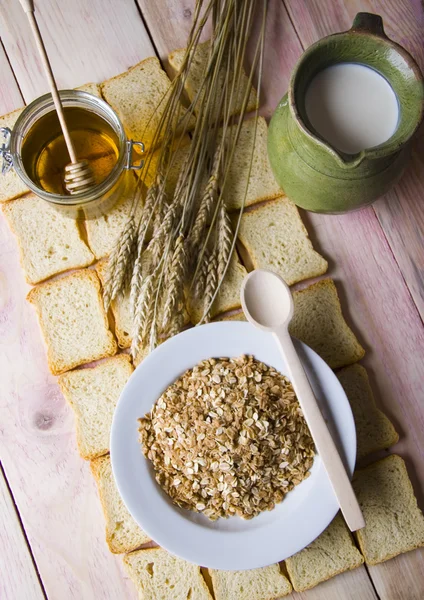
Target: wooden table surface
51 526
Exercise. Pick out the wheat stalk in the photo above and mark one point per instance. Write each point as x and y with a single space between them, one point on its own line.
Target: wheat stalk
185 225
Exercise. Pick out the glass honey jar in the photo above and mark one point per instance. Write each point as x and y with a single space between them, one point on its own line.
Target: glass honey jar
37 151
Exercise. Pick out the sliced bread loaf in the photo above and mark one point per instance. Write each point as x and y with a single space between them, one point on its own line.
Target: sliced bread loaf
318 321
159 575
228 297
275 238
194 79
49 242
333 552
393 522
374 431
73 321
139 97
262 185
93 393
257 584
122 532
11 186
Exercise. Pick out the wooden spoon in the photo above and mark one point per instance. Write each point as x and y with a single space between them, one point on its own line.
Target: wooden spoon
268 304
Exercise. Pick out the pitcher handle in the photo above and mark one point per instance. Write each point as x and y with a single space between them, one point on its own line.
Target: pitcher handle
369 23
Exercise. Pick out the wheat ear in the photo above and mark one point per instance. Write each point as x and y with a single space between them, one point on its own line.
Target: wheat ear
211 283
176 279
225 240
206 204
199 282
143 312
119 262
152 198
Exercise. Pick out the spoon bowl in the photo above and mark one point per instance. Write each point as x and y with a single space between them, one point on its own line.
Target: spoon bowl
266 299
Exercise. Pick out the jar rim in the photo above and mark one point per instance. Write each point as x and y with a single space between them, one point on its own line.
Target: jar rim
43 105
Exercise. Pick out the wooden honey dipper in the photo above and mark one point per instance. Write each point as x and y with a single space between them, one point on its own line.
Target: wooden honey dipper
78 175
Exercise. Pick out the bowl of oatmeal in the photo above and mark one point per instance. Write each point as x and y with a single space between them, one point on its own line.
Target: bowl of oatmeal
212 456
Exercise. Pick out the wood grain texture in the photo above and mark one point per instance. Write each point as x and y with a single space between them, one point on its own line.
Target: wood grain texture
173 20
400 578
18 577
399 212
372 251
85 41
52 486
10 95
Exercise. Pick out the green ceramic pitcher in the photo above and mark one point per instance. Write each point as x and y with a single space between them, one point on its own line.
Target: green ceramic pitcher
315 175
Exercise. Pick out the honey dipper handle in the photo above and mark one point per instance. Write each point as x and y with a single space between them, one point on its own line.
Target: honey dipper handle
28 6
321 435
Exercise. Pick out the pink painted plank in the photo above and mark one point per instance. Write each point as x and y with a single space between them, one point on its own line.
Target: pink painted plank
173 19
18 577
10 95
85 41
400 212
352 585
52 485
372 251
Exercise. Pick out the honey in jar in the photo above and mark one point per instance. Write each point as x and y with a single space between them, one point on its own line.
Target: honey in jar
45 156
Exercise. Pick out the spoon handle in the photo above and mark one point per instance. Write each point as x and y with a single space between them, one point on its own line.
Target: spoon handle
321 435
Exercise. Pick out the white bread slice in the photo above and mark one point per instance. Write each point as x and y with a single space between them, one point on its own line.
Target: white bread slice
139 98
196 74
374 431
91 88
122 532
228 297
104 231
275 238
11 186
257 584
158 575
393 522
73 321
93 393
262 185
318 321
49 242
332 552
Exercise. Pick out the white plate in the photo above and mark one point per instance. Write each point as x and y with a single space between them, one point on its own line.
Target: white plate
229 544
